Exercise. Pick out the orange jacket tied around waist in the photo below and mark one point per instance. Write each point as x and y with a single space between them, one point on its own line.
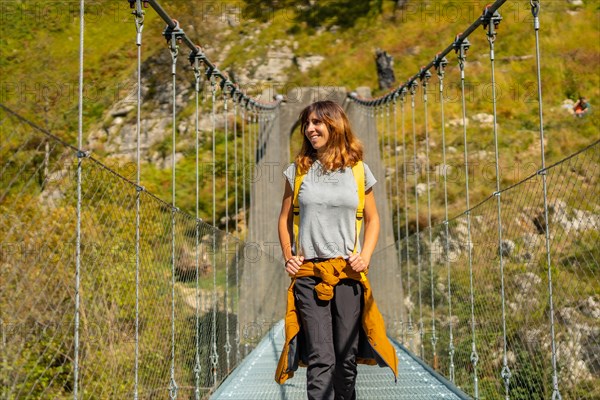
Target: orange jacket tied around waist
374 347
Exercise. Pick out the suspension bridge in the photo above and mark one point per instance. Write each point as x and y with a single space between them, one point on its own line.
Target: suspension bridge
109 291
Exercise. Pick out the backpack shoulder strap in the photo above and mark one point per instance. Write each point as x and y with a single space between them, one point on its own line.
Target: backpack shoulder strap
358 170
298 178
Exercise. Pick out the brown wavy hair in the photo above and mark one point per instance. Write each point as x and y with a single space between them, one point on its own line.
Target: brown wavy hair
342 149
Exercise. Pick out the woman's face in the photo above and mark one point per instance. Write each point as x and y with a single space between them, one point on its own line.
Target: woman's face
316 132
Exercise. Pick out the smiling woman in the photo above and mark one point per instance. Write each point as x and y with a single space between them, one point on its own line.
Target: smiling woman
328 194
316 131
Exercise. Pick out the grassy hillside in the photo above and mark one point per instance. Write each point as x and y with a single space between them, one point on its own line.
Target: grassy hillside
39 65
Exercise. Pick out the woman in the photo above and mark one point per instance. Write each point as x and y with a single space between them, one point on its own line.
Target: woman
330 305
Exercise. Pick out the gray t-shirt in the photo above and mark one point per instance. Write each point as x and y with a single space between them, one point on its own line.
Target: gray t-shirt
328 202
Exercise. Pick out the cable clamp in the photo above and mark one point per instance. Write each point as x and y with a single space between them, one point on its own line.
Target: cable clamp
83 154
175 209
403 92
474 358
173 389
175 32
424 76
224 83
211 72
497 193
440 65
543 171
490 20
132 3
412 87
140 188
506 374
214 359
461 46
197 55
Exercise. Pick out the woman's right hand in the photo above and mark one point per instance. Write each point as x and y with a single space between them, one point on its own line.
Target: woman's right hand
292 265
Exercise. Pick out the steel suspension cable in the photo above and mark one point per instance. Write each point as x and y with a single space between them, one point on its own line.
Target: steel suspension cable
413 89
425 76
252 166
387 157
535 9
80 156
244 204
174 48
254 146
237 210
397 207
227 345
440 67
491 22
244 178
138 14
409 326
214 357
260 153
461 48
197 366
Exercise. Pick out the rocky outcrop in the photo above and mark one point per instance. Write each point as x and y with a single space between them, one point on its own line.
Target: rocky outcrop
385 69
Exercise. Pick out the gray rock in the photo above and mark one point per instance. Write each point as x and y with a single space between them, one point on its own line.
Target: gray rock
278 60
507 247
385 69
122 111
456 122
590 307
308 62
483 119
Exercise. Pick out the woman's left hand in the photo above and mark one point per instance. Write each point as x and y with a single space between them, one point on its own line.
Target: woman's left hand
357 262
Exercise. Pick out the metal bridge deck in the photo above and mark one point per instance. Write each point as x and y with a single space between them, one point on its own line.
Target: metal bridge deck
254 378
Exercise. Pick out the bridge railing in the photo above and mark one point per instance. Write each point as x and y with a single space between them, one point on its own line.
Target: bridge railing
169 327
503 298
461 308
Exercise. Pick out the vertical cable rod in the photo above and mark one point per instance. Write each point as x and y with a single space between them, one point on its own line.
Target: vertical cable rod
214 357
397 208
440 67
425 76
197 366
413 90
535 8
491 22
461 48
227 345
409 327
80 156
174 48
237 210
138 13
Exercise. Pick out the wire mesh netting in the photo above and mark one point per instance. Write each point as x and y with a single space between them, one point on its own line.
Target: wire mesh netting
189 332
574 222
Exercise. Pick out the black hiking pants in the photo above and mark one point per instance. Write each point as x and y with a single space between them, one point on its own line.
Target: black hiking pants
331 329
